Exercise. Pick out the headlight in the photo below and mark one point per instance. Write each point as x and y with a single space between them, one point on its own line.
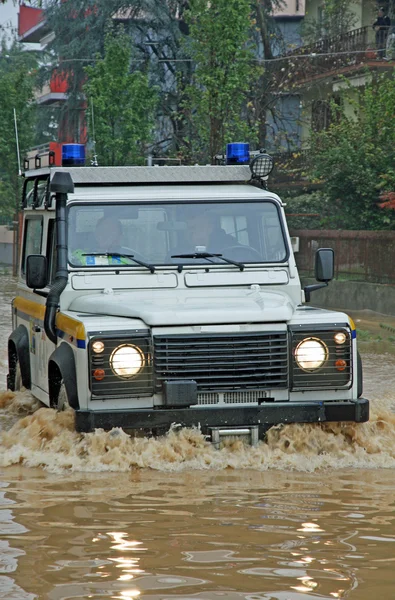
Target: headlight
127 361
311 354
322 357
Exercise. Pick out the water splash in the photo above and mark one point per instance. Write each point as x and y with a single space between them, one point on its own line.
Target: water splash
47 439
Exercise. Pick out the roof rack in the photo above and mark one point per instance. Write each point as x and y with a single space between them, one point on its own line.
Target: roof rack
156 175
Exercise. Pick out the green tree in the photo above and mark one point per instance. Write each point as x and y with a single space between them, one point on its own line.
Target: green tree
17 80
354 157
124 104
155 30
225 71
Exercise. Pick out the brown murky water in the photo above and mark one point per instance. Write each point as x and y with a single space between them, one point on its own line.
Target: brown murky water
307 515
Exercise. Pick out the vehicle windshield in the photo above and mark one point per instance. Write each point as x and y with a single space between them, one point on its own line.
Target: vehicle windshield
157 234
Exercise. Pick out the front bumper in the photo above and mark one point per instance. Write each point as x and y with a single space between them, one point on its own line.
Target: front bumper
159 420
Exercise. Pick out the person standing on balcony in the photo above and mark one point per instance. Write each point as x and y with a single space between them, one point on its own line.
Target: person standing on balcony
381 27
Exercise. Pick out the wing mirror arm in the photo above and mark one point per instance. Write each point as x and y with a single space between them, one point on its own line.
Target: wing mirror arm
312 288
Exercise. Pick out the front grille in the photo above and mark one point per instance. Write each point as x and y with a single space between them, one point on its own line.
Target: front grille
240 397
236 397
208 398
223 361
327 376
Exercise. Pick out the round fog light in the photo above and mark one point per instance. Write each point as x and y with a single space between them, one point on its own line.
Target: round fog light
127 361
311 354
340 337
98 347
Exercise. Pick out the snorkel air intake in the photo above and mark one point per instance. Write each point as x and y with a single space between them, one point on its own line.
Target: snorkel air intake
61 184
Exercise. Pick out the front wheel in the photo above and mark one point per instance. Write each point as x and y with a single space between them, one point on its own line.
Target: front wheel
14 377
18 377
62 402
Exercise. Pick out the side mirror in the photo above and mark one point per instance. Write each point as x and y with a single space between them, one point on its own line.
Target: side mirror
324 264
324 271
36 271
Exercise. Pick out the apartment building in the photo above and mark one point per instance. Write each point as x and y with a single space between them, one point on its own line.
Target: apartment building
323 69
34 29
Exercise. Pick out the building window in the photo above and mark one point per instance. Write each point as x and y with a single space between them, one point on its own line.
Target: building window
324 113
321 115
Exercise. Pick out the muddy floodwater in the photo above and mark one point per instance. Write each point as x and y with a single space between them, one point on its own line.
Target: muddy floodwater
308 514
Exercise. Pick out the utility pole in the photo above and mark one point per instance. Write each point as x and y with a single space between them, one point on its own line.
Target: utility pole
15 245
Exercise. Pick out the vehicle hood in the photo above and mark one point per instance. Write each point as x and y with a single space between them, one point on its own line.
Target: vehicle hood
190 308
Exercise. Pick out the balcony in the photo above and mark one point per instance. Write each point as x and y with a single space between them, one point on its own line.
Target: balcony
32 26
55 91
338 55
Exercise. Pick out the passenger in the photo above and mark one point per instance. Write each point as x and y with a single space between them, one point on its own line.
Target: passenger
107 239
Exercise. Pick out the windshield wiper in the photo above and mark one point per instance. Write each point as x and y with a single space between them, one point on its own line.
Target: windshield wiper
119 255
208 255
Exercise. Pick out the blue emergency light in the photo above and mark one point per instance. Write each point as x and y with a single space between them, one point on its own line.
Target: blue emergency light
73 155
237 153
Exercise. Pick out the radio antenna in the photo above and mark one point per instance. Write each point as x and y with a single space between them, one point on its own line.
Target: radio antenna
17 144
94 159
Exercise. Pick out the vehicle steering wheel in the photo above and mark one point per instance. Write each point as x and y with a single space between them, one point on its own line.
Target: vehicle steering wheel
255 254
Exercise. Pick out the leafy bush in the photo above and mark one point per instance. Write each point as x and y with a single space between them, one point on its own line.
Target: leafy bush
313 210
354 157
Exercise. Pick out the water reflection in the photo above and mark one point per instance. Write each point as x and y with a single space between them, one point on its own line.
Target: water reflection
307 516
81 558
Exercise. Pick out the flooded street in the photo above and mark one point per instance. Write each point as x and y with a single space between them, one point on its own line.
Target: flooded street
309 514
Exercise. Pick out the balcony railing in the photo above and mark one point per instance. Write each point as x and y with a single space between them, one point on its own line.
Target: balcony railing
356 39
40 3
338 53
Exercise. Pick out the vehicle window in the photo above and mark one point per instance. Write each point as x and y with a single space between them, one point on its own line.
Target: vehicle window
158 233
32 239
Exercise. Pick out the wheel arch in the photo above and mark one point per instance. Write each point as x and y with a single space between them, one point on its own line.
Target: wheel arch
19 351
61 366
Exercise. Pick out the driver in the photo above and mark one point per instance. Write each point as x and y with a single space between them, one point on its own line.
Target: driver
202 233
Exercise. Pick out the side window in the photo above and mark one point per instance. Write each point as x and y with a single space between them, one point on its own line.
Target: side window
51 250
32 239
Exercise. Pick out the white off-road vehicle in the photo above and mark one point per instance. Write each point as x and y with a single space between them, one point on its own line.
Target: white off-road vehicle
153 296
